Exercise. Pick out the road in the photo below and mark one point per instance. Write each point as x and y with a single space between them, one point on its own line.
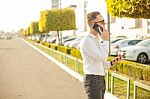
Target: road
26 74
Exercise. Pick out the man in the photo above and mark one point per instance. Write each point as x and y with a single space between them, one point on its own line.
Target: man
95 54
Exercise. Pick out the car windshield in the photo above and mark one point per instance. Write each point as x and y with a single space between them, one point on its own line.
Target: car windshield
120 42
144 43
115 40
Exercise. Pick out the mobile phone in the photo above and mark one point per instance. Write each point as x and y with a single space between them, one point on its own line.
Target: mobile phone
97 28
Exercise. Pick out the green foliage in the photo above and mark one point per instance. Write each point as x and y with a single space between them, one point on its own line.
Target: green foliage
76 53
53 46
133 69
22 32
56 20
34 28
129 8
67 19
27 32
146 74
64 49
47 44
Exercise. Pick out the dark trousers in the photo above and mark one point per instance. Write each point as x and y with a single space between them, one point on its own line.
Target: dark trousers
94 86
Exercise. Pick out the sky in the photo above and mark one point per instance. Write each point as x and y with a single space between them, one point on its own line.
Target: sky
17 14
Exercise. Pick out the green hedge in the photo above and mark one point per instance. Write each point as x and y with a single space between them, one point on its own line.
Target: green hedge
132 69
46 44
76 53
146 73
64 49
53 46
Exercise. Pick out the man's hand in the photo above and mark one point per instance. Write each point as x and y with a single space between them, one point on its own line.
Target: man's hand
117 59
105 35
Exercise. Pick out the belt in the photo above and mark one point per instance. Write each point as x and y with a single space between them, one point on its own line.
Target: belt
94 76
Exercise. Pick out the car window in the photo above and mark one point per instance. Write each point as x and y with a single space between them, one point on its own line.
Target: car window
115 40
120 42
144 43
133 42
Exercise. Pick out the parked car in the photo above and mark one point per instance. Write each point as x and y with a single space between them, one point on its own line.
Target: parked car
140 52
68 39
51 39
117 38
76 42
122 43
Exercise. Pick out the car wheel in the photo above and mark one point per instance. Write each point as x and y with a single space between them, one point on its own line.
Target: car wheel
142 58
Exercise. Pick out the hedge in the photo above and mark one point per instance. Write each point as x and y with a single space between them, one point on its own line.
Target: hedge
64 49
132 69
76 53
53 46
47 44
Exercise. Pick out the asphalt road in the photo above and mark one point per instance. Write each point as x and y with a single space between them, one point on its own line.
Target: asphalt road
26 74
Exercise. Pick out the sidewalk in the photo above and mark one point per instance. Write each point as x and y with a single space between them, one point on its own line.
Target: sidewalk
26 74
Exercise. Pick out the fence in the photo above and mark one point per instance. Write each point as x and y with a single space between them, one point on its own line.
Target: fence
137 84
122 78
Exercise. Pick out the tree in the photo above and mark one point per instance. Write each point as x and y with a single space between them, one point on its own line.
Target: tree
57 20
27 31
22 32
34 28
129 8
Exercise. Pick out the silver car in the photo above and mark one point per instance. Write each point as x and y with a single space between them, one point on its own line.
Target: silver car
122 43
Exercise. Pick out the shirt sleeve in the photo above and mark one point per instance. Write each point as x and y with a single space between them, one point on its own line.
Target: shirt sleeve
91 47
106 64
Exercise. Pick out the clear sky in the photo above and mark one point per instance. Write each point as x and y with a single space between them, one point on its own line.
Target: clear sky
16 14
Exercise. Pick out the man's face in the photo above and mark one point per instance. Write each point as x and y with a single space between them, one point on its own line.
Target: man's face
100 21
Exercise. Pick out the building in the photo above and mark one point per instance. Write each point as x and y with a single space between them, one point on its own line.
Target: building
54 4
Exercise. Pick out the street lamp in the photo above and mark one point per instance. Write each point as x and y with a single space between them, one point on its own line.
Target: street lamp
108 26
85 12
60 4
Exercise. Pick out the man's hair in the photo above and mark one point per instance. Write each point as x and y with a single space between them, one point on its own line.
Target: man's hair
91 16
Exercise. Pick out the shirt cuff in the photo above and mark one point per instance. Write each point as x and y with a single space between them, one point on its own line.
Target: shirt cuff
107 64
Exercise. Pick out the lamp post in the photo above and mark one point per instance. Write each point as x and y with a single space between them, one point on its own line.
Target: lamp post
60 4
108 26
85 12
60 31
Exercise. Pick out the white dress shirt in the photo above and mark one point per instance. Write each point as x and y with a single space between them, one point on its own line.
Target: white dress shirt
94 54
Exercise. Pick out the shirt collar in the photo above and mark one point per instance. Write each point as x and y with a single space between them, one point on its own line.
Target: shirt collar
93 36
